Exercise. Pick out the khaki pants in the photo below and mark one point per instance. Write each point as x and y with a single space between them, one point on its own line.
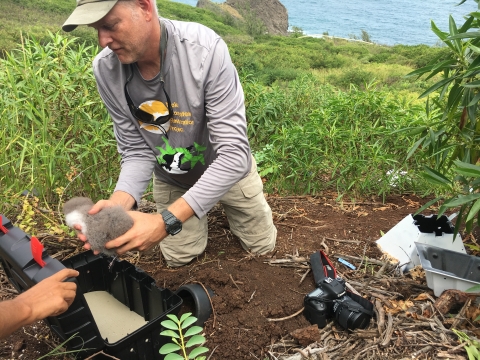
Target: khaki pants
248 213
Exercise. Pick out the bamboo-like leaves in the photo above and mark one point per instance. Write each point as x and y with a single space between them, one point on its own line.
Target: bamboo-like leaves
435 177
42 96
454 31
467 169
452 146
438 85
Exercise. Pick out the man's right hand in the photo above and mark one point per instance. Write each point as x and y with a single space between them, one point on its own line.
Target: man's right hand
118 198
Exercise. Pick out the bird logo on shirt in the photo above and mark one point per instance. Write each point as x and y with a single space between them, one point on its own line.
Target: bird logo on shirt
157 109
180 160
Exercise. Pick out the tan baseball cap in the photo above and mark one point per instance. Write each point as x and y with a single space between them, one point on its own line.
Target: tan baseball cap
87 12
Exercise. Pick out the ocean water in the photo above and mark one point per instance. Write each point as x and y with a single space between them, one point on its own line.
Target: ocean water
388 22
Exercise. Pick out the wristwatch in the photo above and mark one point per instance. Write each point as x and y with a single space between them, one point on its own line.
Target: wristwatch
172 225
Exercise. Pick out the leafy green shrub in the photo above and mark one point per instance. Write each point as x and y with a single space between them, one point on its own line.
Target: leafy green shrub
450 144
366 36
54 6
36 18
356 77
353 49
309 137
329 61
296 32
380 57
270 76
415 55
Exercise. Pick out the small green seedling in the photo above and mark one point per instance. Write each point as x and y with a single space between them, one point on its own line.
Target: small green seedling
176 328
474 289
472 346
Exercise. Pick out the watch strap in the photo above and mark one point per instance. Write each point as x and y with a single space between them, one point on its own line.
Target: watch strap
172 225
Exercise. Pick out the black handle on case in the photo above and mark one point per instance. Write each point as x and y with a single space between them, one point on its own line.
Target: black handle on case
317 267
322 267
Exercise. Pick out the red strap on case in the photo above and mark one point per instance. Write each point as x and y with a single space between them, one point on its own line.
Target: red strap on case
37 250
328 267
2 228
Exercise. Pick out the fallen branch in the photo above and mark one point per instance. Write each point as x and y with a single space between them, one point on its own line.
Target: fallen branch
368 287
287 317
288 261
325 246
215 348
103 354
380 316
366 334
448 299
364 350
388 332
305 275
234 283
343 241
421 351
460 318
352 289
211 302
381 271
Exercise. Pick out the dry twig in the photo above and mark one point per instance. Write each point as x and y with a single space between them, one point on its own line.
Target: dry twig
343 241
388 332
234 283
287 317
380 316
211 302
103 354
304 276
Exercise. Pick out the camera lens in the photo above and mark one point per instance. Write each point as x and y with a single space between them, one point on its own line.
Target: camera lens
350 315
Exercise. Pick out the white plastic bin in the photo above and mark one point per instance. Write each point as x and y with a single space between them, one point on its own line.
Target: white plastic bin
399 242
446 269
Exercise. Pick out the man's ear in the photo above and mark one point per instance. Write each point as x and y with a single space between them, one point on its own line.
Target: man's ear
147 9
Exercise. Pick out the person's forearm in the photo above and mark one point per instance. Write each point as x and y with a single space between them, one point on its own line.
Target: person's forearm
181 210
123 199
13 315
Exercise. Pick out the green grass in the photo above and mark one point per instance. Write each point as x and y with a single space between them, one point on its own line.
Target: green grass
310 137
54 126
322 114
37 17
279 58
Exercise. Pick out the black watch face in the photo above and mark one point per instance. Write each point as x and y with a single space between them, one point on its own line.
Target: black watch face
172 224
174 228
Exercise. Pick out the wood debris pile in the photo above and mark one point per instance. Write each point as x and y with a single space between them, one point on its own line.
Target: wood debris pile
409 323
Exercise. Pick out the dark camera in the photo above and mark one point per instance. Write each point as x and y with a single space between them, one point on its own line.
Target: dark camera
330 299
350 314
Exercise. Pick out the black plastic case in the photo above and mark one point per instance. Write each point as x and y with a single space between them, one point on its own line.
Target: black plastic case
128 284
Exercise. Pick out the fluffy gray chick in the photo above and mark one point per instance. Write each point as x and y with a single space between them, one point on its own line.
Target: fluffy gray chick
106 225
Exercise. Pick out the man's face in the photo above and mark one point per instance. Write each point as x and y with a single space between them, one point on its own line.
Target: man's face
125 31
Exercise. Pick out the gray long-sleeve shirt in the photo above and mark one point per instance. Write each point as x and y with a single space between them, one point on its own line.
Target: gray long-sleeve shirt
207 149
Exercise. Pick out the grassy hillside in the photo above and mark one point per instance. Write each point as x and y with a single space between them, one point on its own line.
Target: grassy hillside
322 113
269 58
38 17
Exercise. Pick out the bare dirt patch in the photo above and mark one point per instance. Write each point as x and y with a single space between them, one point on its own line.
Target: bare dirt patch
250 291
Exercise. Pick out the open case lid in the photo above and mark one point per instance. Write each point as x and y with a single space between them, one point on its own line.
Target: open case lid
128 284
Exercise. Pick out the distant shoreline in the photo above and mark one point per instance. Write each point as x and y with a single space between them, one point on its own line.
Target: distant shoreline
321 36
